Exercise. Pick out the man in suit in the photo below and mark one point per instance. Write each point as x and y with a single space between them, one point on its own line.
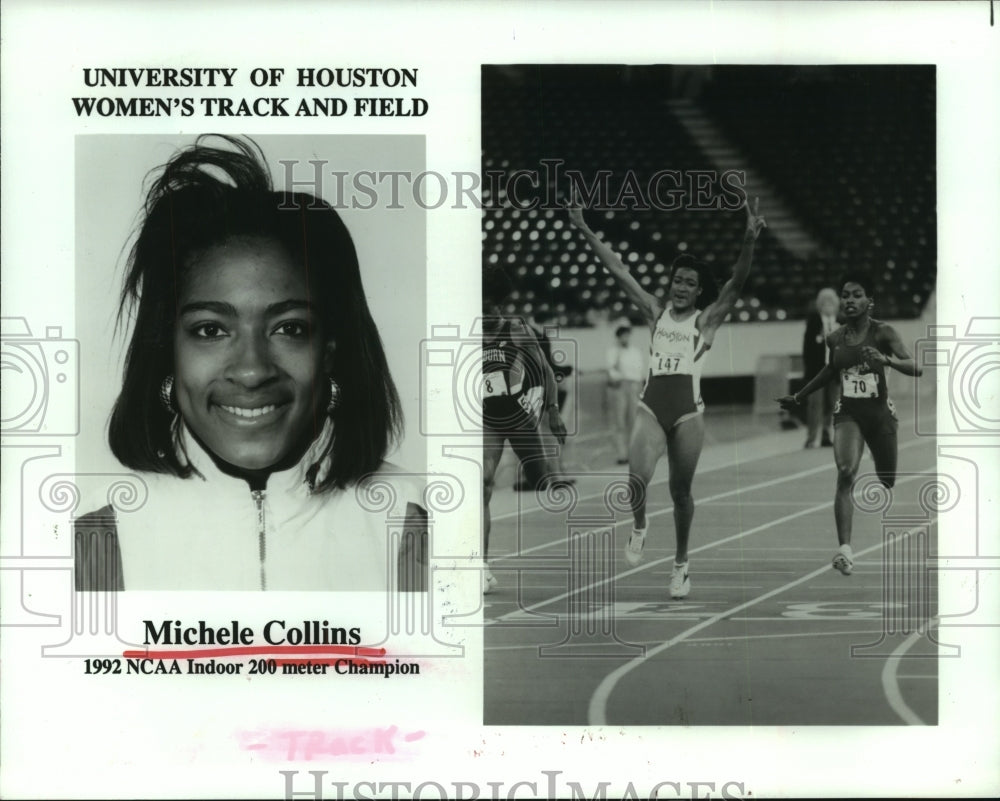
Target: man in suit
815 354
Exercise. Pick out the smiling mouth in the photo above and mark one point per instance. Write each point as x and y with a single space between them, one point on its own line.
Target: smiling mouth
246 413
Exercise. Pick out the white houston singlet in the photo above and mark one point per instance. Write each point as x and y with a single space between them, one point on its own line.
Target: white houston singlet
673 390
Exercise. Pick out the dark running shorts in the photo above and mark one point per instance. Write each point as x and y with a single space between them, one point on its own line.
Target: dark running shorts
670 399
873 418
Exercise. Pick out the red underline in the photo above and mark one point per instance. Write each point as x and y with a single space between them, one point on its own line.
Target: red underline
258 650
330 662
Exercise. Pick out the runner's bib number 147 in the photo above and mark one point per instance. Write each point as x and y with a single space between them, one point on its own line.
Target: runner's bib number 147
668 363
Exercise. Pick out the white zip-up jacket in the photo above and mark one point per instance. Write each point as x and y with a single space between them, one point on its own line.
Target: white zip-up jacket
211 532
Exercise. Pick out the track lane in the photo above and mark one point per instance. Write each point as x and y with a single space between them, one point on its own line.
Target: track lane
549 690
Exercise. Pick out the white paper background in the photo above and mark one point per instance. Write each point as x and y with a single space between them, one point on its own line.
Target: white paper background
67 735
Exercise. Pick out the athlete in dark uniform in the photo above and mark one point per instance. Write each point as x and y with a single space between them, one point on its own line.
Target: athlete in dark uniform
518 387
670 417
860 352
513 393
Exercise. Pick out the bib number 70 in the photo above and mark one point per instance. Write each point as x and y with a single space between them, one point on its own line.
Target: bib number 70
860 385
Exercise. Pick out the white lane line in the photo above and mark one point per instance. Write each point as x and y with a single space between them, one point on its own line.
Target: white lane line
866 632
824 618
781 636
890 683
768 550
597 710
771 560
736 462
667 509
763 503
670 558
706 546
624 477
567 645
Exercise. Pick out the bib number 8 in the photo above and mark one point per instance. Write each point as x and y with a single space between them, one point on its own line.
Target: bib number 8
494 385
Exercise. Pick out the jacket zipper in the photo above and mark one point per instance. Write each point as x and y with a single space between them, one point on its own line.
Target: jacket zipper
258 502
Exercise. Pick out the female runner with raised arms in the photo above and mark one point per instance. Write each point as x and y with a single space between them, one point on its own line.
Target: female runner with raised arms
670 417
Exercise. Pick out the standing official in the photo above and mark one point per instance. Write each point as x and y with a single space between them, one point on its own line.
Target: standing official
626 371
815 356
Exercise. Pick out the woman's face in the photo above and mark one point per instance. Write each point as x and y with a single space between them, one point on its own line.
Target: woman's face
684 288
854 300
249 355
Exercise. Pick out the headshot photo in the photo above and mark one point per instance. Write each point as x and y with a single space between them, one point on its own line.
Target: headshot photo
245 328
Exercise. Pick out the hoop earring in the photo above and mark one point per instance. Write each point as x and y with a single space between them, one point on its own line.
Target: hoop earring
334 397
166 394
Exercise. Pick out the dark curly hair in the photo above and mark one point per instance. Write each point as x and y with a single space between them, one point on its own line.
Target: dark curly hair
859 277
203 197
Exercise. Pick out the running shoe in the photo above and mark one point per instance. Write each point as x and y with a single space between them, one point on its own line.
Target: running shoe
843 563
633 551
680 582
490 582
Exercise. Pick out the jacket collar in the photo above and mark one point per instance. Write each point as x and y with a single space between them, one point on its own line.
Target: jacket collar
310 470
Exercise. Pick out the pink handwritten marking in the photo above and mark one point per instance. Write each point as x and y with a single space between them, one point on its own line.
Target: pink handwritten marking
345 744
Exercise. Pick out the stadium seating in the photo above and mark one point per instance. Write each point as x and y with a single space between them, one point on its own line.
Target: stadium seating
858 174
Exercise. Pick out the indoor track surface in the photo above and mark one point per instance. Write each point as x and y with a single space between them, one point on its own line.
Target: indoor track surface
769 635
